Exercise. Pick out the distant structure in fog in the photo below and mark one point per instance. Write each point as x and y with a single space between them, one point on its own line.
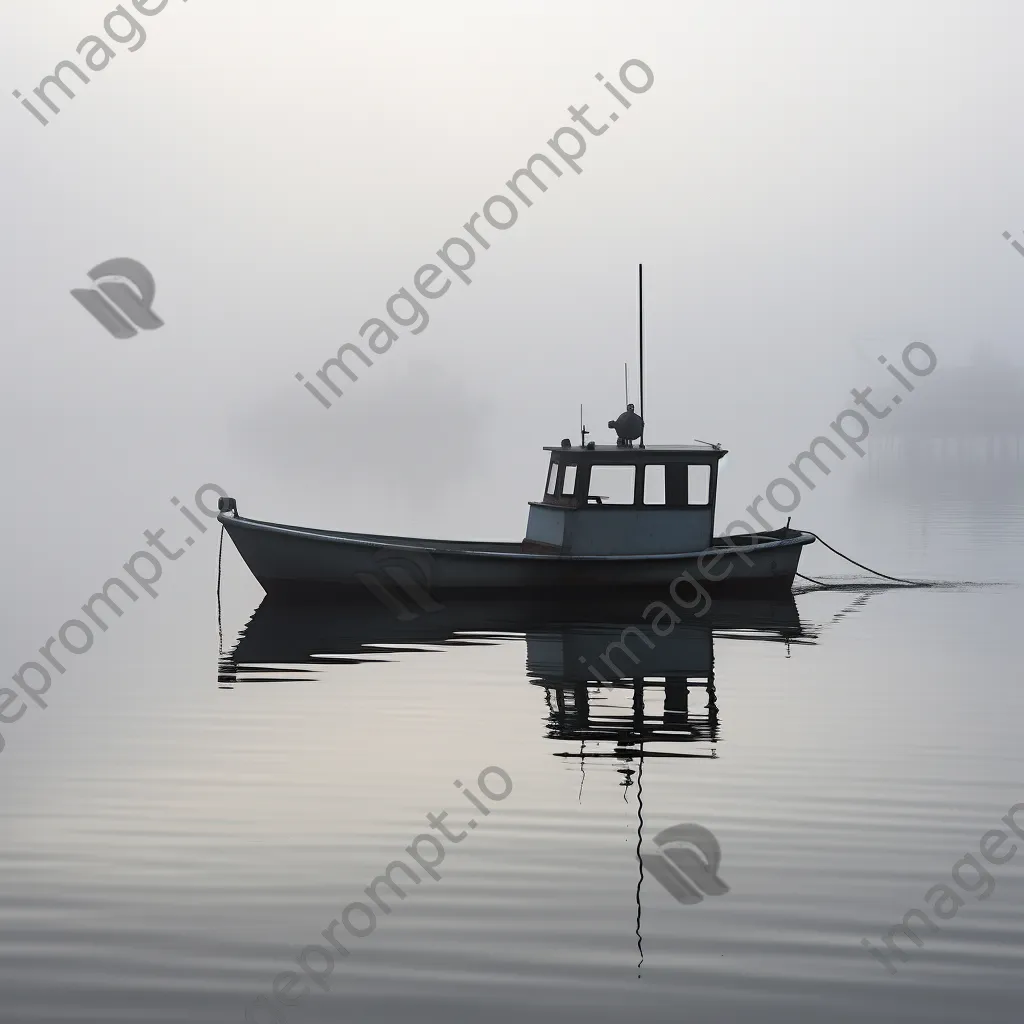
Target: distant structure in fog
972 413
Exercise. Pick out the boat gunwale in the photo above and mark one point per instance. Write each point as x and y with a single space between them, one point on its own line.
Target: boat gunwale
424 545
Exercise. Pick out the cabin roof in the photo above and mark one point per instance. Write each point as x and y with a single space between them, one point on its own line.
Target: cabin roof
637 448
637 452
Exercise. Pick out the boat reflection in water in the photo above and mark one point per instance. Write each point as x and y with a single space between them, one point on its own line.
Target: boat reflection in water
622 691
614 687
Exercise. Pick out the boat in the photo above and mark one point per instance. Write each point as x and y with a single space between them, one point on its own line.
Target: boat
654 531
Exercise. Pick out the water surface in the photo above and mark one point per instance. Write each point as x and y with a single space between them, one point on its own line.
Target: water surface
176 834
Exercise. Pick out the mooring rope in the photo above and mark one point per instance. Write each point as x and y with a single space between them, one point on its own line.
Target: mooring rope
817 583
860 565
220 559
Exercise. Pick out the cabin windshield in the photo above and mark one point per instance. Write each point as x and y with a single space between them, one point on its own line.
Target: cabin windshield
604 499
602 479
561 485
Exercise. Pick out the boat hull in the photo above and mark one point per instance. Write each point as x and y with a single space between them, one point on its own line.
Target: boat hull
294 561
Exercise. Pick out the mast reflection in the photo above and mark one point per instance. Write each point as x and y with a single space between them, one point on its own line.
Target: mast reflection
615 688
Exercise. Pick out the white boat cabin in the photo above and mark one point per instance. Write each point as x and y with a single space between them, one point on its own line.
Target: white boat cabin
614 499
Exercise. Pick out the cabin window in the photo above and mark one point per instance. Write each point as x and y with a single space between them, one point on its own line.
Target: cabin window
568 481
686 485
699 485
614 485
552 477
654 485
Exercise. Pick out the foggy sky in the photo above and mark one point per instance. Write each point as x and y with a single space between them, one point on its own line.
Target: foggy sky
808 185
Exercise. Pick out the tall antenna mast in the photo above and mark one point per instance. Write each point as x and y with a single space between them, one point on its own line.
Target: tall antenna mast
641 278
625 370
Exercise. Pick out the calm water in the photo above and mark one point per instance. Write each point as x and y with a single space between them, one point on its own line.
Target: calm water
173 840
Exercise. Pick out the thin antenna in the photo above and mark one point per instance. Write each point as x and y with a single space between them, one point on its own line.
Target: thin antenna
641 278
583 429
625 370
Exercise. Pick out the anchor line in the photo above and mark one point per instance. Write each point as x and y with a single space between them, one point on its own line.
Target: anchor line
220 560
860 565
817 583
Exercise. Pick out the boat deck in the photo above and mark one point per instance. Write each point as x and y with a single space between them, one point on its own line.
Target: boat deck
504 548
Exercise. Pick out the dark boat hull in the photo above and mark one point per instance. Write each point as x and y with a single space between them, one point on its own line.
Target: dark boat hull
294 561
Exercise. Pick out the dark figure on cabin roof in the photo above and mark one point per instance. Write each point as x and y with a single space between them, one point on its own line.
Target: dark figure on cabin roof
629 427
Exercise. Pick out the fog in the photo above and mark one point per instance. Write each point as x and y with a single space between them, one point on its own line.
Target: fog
824 197
807 185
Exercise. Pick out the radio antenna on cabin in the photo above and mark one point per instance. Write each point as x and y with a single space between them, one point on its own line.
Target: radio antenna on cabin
641 304
625 370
